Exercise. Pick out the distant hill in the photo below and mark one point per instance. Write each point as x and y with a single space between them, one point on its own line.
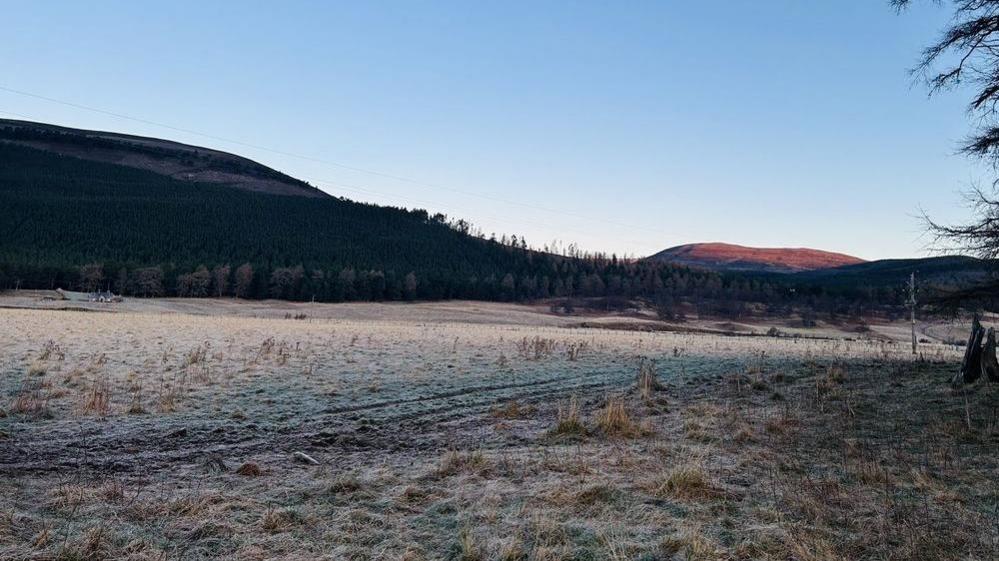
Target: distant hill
163 157
725 257
947 271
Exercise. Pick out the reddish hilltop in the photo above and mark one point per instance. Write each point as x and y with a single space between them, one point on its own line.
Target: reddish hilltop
730 257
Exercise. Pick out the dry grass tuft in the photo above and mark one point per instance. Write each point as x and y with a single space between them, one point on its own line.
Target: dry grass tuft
51 351
411 555
37 369
249 469
98 398
781 424
596 494
809 546
31 400
42 538
568 422
468 548
512 410
573 350
198 354
648 384
454 462
872 472
67 497
94 543
694 429
614 420
744 434
169 396
693 545
513 550
535 348
280 520
688 481
345 483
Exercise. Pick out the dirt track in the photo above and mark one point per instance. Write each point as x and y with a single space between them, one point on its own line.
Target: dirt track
396 421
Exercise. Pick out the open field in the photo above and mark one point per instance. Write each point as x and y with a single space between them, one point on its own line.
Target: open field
173 429
494 313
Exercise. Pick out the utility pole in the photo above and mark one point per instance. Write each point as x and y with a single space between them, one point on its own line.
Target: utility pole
912 308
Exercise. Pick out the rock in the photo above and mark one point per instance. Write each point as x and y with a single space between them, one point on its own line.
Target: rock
304 458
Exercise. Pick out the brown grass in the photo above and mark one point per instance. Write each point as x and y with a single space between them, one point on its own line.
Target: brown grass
249 469
614 420
32 399
881 462
688 481
98 398
454 462
345 483
513 410
279 520
568 422
37 369
648 384
468 547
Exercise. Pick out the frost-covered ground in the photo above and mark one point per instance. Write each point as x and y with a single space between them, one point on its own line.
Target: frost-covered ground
170 429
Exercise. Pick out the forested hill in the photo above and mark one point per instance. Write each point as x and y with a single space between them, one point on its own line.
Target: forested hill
62 213
82 224
164 157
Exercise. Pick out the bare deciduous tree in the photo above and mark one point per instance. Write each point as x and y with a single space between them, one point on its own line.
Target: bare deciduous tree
409 285
220 279
148 281
91 277
194 284
244 280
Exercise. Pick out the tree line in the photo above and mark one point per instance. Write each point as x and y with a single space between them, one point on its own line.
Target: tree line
84 225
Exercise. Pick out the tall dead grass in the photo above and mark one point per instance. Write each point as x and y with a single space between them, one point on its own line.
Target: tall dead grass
568 422
614 420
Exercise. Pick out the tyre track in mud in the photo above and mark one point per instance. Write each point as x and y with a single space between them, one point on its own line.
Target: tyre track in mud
125 444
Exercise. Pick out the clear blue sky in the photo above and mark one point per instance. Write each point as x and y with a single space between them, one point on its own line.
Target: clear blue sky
625 127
